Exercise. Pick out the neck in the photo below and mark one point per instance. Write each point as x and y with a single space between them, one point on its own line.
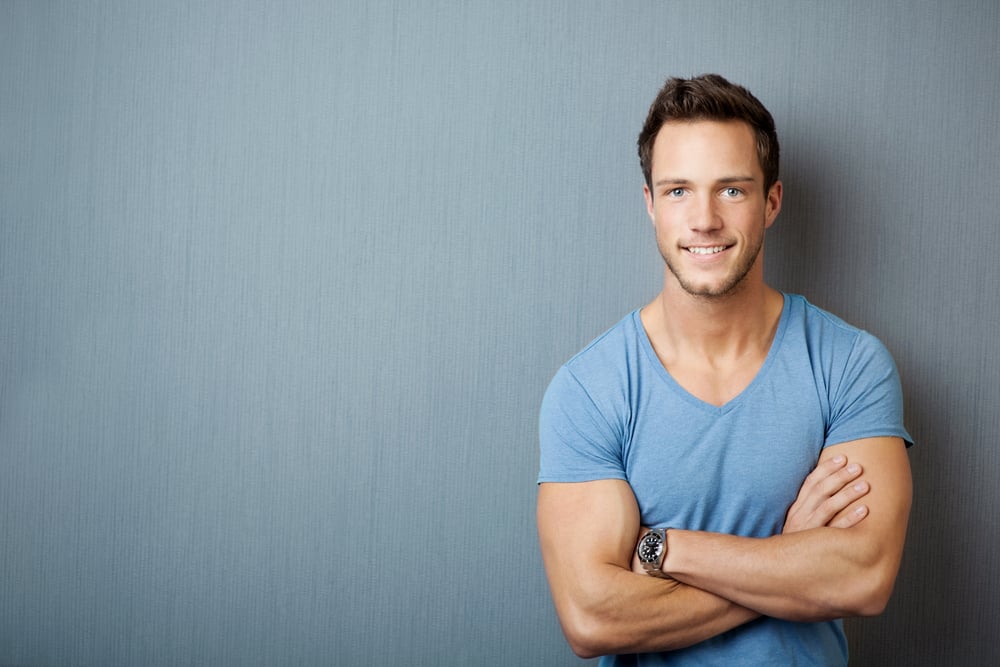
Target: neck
714 329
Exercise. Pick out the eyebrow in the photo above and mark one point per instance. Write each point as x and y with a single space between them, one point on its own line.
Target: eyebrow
684 181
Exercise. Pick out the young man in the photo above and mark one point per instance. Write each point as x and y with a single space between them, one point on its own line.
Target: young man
759 436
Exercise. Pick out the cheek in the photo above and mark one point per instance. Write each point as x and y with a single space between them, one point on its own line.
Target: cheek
663 228
664 218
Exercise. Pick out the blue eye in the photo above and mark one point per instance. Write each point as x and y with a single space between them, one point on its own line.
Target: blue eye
733 192
676 192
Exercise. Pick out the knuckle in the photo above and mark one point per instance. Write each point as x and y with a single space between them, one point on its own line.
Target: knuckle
847 473
848 494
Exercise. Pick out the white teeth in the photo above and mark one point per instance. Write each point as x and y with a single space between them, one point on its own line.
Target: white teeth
707 251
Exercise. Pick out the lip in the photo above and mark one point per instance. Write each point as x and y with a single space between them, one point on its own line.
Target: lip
704 252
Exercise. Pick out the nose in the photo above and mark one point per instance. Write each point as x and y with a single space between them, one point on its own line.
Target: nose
704 215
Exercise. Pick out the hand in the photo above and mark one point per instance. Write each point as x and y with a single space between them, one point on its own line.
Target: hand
828 490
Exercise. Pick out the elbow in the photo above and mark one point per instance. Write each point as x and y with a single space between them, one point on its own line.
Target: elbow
584 649
878 583
586 634
861 590
869 596
876 598
592 629
846 602
867 589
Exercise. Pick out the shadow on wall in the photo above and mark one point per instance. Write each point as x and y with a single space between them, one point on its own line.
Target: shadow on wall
825 245
808 239
832 244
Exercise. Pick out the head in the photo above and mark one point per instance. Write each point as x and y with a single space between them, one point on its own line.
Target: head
710 97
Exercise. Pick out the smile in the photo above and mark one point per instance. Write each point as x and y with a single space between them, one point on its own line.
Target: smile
706 251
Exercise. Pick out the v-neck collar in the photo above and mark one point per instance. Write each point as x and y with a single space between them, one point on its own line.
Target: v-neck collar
665 375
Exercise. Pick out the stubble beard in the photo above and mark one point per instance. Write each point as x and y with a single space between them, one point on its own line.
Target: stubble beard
730 285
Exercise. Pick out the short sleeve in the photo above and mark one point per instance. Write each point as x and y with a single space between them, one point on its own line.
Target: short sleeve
577 442
868 400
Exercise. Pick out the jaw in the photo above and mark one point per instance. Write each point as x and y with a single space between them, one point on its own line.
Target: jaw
713 273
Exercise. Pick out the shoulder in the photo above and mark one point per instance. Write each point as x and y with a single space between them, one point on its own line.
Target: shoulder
596 378
844 358
584 409
855 373
830 336
820 322
609 354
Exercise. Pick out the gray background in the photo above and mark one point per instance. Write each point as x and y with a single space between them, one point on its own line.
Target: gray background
281 287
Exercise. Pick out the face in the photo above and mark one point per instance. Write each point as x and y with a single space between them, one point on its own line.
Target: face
708 205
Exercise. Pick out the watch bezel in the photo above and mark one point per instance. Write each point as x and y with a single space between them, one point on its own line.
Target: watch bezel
652 564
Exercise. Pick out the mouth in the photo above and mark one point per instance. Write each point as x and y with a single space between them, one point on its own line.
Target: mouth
706 250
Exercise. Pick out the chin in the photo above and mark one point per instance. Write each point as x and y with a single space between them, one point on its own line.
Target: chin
717 290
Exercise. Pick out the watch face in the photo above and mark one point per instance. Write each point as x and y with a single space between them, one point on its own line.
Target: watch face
650 547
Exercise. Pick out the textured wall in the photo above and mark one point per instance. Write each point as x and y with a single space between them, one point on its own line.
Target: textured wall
281 288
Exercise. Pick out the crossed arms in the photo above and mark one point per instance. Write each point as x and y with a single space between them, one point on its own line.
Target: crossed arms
837 556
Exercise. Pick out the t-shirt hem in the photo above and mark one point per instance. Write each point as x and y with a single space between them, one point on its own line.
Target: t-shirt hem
581 478
878 433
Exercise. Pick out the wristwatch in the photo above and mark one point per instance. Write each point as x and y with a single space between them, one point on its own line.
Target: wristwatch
651 551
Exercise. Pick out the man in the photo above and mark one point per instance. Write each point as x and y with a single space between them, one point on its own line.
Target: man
761 436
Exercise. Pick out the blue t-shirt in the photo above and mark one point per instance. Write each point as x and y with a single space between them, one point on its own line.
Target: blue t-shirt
613 412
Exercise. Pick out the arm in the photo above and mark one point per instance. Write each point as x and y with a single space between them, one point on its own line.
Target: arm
818 573
588 532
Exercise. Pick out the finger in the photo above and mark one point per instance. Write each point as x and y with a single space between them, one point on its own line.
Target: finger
852 518
835 483
823 470
839 478
834 509
827 479
827 499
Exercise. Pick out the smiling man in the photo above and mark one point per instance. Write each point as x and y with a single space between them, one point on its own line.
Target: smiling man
723 473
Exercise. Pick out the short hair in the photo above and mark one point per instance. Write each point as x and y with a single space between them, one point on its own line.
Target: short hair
710 97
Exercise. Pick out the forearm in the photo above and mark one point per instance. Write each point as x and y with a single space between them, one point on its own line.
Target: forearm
618 611
812 575
821 572
587 533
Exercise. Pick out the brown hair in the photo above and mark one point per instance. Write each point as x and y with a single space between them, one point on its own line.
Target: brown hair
710 97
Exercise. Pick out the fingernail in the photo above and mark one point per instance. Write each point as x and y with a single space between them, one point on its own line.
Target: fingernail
853 467
838 459
861 511
860 486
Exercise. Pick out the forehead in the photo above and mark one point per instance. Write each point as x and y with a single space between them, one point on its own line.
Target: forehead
704 146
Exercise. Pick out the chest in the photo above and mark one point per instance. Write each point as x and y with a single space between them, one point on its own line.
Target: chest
733 470
715 386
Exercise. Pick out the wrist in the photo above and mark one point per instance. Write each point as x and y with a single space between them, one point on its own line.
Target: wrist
672 559
651 552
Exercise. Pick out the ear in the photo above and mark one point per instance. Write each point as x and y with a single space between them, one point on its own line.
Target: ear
773 205
648 196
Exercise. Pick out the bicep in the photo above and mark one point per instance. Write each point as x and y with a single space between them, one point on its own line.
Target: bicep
585 525
886 469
